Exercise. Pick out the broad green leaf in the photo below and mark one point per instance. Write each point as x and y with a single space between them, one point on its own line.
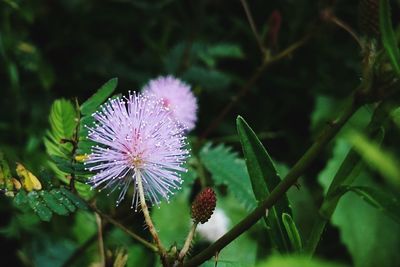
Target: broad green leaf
264 178
91 105
371 238
383 200
295 261
63 199
292 232
38 206
388 36
384 162
226 168
77 201
52 203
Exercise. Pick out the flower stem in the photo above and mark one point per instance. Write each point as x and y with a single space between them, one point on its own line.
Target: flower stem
188 242
147 218
297 170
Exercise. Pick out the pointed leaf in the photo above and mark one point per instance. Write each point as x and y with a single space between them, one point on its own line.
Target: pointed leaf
388 36
292 232
264 178
90 105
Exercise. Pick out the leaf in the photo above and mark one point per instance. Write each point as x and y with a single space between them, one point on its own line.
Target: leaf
298 261
91 105
77 201
388 35
209 79
382 200
371 238
384 162
52 203
264 178
226 168
35 202
292 232
62 120
21 199
63 199
29 181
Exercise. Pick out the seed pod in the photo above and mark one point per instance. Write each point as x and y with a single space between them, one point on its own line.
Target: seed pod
369 17
203 206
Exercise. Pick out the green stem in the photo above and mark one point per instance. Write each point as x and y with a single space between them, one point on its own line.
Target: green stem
298 169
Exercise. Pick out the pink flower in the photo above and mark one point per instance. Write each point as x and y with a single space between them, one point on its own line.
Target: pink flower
175 96
136 136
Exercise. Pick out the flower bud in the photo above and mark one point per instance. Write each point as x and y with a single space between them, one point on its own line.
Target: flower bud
203 206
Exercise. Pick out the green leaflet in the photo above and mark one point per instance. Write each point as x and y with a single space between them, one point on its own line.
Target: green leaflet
292 232
226 168
44 203
78 202
264 178
91 105
63 123
39 207
388 36
53 204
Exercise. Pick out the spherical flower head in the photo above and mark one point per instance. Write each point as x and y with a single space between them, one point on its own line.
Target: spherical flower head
135 137
175 96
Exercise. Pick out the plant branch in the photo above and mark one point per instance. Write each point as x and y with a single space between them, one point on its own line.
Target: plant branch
328 15
297 170
253 26
250 83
